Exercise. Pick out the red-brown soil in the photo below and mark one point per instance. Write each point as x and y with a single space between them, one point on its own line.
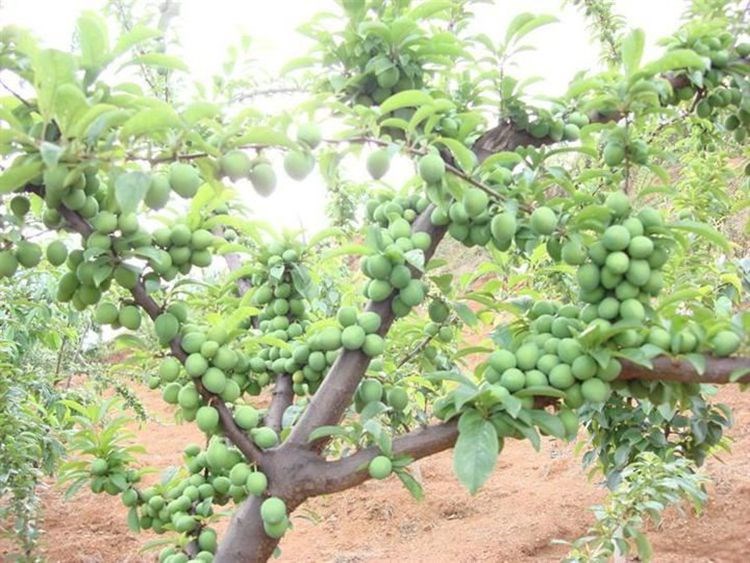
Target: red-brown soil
532 499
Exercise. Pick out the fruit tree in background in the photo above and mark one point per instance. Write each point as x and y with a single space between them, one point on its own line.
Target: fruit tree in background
598 216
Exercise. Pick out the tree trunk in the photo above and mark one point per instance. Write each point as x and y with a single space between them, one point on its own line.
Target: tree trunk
245 540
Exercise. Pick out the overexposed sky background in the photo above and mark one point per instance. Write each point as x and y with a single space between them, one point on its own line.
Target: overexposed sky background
206 28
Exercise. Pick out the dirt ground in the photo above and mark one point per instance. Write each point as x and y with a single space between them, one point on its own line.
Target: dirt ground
532 499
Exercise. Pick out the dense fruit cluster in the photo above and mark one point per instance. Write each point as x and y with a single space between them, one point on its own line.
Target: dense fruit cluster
619 272
395 247
550 355
618 148
718 89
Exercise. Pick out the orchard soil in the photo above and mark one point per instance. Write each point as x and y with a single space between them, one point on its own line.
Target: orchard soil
531 499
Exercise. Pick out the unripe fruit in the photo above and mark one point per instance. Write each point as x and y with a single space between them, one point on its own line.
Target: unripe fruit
200 239
725 343
616 237
256 483
298 165
561 376
207 419
246 417
184 179
397 398
169 369
595 390
273 510
379 290
180 235
614 154
353 337
502 360
527 356
513 379
413 294
309 134
369 321
214 380
378 163
130 317
128 223
158 192
239 474
57 253
188 397
347 316
19 205
196 365
583 367
574 253
370 390
438 311
373 345
475 201
618 203
99 467
166 327
235 165
431 168
264 437
207 540
380 467
28 254
263 179
106 313
543 220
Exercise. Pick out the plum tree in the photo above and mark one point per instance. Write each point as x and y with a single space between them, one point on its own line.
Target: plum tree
371 376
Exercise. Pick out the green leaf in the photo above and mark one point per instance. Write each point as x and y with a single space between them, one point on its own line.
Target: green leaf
705 231
130 189
150 120
265 137
465 313
50 153
427 9
476 450
52 69
159 60
675 60
406 98
549 423
632 51
738 374
135 36
200 110
540 391
93 40
465 158
19 175
326 432
645 552
134 525
411 484
698 361
525 23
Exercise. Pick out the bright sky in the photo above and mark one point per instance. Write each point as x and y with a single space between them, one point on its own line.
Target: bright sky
207 28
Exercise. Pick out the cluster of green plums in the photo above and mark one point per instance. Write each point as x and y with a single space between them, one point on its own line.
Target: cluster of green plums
618 148
298 163
719 92
387 266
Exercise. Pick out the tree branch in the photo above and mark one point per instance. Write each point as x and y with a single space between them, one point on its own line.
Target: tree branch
281 397
329 477
152 308
718 370
335 393
334 476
